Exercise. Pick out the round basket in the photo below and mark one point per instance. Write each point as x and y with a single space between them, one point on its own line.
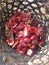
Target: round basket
10 7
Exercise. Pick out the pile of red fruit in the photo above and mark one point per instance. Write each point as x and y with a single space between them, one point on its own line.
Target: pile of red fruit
27 33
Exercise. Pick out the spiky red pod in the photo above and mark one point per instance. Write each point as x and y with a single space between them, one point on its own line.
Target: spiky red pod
27 35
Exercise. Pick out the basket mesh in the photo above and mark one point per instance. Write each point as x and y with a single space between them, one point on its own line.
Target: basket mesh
9 7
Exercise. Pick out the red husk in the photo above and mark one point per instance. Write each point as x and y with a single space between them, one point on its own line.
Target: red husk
27 35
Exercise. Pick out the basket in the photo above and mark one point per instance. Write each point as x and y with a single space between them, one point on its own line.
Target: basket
9 7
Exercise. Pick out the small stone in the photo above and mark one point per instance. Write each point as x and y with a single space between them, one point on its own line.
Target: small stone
30 63
44 59
37 61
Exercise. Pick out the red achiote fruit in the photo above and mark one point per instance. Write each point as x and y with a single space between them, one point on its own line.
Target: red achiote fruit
26 32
